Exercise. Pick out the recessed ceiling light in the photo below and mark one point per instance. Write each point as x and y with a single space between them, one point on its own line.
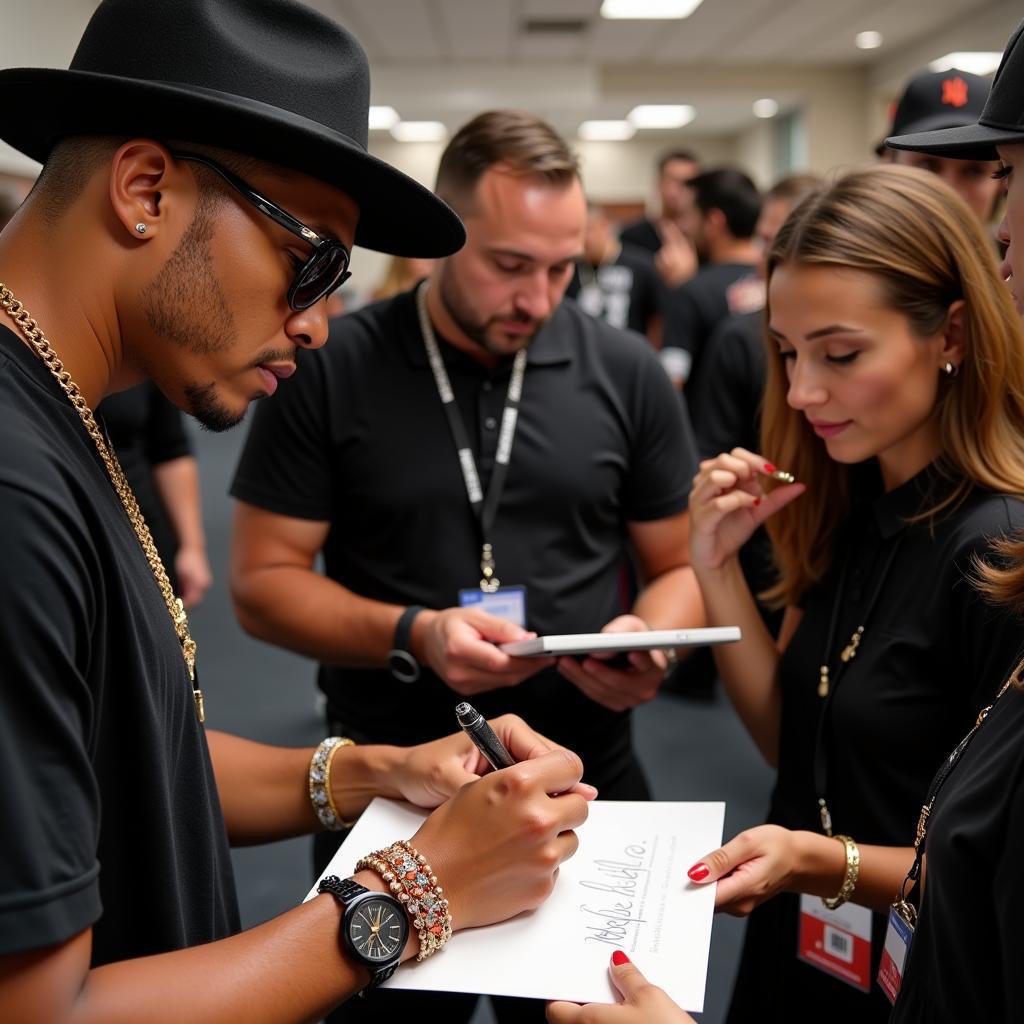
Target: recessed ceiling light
868 40
383 118
419 131
606 131
661 115
978 62
644 9
766 107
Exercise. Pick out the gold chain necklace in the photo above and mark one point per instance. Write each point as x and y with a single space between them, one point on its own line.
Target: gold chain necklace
42 348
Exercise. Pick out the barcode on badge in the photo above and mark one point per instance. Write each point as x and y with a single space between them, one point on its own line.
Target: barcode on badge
838 944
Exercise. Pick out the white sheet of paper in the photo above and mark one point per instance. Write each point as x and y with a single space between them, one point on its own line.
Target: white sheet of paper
626 888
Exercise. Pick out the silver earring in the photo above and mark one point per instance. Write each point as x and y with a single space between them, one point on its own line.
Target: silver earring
141 228
951 369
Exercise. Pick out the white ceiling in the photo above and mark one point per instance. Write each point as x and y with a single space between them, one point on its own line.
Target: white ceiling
448 59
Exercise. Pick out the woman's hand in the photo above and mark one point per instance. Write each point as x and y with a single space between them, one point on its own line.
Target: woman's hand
753 867
497 844
642 1003
727 505
428 774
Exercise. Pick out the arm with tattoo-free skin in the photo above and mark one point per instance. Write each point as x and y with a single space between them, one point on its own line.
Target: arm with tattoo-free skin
496 844
280 598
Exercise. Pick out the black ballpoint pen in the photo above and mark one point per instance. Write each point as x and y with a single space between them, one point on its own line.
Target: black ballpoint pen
476 728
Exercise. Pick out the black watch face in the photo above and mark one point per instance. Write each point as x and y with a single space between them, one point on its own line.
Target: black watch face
377 929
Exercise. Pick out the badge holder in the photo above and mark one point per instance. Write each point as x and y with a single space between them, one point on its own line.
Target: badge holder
491 597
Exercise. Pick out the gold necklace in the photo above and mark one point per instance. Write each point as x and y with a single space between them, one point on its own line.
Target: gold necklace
42 348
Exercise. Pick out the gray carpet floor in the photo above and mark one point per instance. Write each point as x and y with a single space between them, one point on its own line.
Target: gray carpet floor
692 750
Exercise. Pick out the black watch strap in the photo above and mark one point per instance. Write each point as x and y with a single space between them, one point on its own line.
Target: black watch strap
404 667
344 890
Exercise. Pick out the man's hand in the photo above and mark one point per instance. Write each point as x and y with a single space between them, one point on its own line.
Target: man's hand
192 568
618 688
459 644
676 260
431 772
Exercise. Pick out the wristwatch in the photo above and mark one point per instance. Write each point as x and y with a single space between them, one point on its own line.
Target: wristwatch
374 926
404 667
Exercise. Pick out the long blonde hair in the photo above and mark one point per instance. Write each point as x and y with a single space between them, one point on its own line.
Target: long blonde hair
927 250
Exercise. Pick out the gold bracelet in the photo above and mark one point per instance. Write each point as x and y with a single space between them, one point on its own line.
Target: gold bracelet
849 875
320 795
413 881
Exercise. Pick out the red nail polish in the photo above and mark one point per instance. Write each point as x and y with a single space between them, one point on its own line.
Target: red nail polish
757 501
699 872
769 468
619 958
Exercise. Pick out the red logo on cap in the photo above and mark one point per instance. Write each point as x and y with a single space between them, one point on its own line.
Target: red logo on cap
954 92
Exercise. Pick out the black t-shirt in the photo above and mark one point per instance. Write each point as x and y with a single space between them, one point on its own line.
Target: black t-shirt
698 306
146 429
624 293
933 653
108 797
965 959
725 397
643 234
359 439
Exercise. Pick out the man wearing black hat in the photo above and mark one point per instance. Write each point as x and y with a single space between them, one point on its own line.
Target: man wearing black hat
946 99
205 178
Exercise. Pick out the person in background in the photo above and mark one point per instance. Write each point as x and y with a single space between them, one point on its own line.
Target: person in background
616 282
192 263
148 434
946 99
665 236
402 273
721 222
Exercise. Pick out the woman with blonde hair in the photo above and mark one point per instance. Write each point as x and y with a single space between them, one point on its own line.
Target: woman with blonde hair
895 397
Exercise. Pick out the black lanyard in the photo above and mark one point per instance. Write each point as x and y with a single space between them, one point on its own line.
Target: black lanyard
944 772
485 508
848 654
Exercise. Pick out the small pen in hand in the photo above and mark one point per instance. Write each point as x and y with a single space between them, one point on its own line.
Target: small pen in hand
476 728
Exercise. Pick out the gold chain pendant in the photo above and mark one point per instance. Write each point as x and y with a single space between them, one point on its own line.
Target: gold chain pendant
44 350
850 650
823 681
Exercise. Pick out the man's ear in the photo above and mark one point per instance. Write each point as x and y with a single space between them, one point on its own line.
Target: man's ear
139 173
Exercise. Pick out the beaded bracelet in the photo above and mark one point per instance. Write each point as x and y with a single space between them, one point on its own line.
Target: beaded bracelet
320 783
849 875
412 880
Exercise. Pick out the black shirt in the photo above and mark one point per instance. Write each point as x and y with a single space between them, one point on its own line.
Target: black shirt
725 397
625 293
146 429
965 959
932 654
698 306
359 438
108 798
643 234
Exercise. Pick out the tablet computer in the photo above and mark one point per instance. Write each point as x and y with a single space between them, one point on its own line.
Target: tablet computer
592 643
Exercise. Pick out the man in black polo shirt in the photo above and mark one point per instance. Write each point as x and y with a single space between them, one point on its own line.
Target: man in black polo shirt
137 258
359 461
724 213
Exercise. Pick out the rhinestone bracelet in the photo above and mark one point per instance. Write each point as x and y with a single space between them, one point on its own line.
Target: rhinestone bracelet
320 783
412 880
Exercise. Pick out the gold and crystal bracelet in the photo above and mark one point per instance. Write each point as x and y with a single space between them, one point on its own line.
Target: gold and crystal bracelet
320 783
849 875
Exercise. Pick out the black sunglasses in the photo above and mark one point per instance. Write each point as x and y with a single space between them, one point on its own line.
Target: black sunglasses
327 267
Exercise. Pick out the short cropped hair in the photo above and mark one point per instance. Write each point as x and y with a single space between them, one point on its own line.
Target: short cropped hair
677 154
520 142
794 189
731 191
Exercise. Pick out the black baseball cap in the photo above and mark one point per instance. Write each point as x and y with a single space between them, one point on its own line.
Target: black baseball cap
1000 121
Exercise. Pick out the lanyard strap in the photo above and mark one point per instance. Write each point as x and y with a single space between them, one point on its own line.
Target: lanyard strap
941 776
848 654
485 508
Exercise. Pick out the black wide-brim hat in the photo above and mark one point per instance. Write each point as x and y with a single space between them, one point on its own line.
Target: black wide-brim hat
268 78
1000 123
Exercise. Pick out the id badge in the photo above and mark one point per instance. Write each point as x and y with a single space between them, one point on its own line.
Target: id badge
504 603
837 942
898 937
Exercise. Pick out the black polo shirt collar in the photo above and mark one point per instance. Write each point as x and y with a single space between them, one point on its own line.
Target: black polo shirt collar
893 509
550 346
